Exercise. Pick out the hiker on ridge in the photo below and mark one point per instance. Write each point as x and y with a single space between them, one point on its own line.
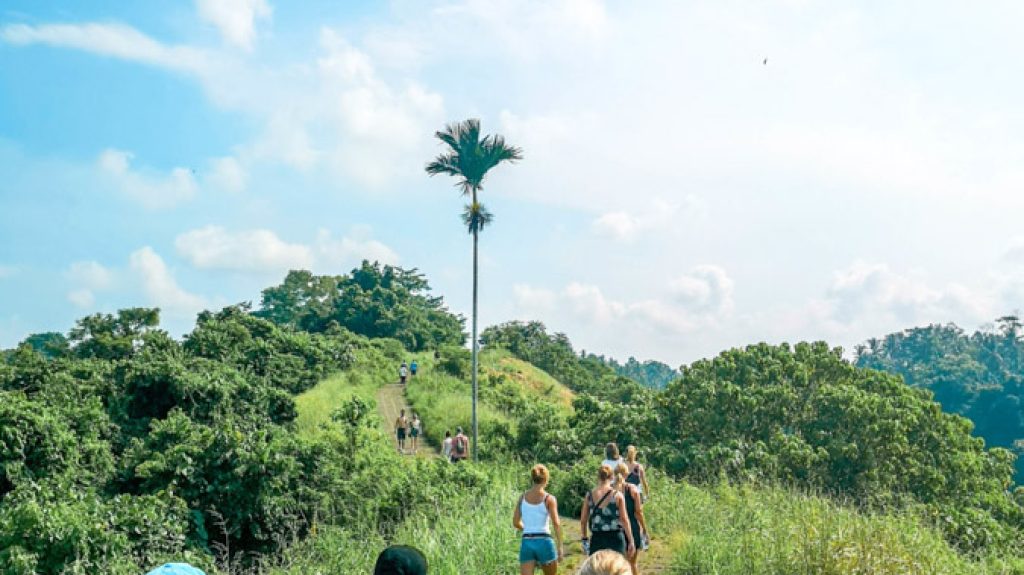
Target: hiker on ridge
604 516
446 446
403 372
611 456
413 367
415 428
534 513
634 512
637 475
460 446
401 424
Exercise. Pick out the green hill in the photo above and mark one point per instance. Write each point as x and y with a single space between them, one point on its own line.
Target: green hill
255 446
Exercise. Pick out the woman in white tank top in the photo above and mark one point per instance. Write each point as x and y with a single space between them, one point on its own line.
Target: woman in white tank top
535 511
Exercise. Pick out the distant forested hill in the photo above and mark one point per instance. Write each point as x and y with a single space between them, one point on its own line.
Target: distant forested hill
651 373
979 375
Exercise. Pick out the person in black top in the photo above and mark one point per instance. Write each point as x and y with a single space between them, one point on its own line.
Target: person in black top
604 516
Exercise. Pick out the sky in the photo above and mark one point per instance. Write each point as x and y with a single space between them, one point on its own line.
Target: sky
696 175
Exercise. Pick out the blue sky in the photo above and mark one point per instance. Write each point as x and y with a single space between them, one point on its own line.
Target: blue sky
678 195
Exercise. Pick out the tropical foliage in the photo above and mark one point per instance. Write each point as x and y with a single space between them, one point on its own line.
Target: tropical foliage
374 300
979 376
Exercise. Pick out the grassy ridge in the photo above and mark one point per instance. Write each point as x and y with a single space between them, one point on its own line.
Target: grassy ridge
497 363
445 403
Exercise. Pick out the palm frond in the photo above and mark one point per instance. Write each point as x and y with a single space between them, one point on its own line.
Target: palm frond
476 217
447 164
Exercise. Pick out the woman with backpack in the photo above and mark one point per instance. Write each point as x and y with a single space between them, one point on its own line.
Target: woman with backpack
535 511
460 446
604 516
634 512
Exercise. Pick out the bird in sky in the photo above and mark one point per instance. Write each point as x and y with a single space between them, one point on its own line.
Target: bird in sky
765 61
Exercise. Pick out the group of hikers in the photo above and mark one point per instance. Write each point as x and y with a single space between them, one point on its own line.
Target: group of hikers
612 523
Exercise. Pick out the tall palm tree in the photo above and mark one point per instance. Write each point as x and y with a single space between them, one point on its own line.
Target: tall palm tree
468 158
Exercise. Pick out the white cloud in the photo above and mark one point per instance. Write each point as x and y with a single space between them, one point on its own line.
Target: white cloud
618 225
159 284
705 289
658 215
90 274
114 40
82 298
235 19
701 298
227 174
213 247
1014 254
7 271
87 277
343 253
152 190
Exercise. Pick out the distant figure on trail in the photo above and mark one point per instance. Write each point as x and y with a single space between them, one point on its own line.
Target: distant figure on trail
637 475
437 354
634 512
176 569
446 446
604 516
611 456
401 424
403 372
400 560
535 511
413 367
414 430
460 446
605 562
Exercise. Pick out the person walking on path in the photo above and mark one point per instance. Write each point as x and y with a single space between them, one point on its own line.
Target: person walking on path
611 456
535 511
460 446
403 372
637 475
604 516
401 424
415 428
413 368
635 513
446 446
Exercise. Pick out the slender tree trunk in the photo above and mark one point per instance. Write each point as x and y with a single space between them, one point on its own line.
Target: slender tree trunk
475 345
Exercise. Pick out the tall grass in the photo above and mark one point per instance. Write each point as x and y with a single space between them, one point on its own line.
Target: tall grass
460 534
745 530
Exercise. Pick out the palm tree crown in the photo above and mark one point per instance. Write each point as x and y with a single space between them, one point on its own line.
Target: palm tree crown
470 157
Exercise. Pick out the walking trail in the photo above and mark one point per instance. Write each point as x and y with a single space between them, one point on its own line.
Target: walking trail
390 401
656 560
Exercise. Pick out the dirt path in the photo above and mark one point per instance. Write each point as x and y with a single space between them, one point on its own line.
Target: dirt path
655 560
390 401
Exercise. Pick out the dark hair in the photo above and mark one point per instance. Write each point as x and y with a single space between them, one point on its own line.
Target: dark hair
458 429
447 433
400 560
611 451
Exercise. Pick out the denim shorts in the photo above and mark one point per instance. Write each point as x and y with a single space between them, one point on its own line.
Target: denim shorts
539 549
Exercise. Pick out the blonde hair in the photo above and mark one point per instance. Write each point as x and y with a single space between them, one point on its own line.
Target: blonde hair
605 562
604 473
631 454
539 474
621 471
611 451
